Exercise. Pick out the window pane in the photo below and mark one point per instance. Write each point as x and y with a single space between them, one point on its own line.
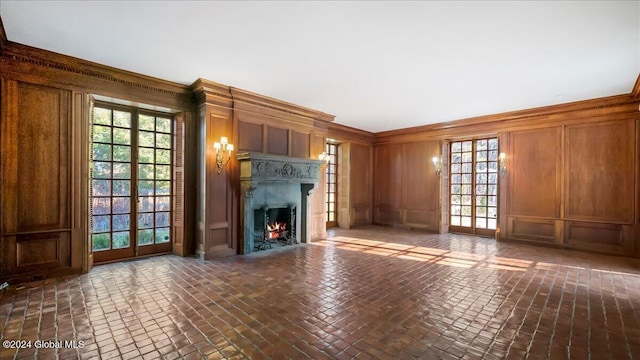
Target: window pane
101 116
101 241
121 205
121 119
145 237
121 171
162 219
146 122
163 157
455 220
466 221
122 136
163 141
481 211
163 125
101 152
100 206
145 221
146 138
146 171
121 153
163 187
163 172
481 223
162 235
101 170
121 240
145 203
491 224
145 155
162 203
121 187
101 134
145 188
456 147
101 188
121 222
101 223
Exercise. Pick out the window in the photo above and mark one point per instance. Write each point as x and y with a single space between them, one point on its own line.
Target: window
331 177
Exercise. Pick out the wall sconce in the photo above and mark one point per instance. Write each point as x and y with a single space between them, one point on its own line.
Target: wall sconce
223 152
436 164
324 157
503 165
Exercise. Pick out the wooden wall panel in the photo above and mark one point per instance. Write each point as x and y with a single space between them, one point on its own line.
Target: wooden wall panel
360 185
277 141
534 173
600 171
41 158
250 136
532 229
300 144
360 175
219 202
388 179
594 233
388 183
420 183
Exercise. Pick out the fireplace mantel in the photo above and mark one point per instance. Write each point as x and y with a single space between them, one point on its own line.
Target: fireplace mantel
260 167
271 181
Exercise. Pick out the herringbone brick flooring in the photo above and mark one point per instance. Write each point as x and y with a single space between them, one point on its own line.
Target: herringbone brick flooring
373 293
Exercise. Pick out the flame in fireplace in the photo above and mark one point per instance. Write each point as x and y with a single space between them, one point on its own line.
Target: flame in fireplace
276 229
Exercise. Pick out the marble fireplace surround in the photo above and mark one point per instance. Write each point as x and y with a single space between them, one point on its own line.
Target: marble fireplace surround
273 181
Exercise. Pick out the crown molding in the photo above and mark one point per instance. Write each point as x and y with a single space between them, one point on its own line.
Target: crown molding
243 97
3 37
636 88
540 113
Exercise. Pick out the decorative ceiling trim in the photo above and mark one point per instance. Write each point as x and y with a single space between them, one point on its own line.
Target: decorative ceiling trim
30 55
3 37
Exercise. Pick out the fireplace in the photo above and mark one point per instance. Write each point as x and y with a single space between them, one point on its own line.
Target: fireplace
274 204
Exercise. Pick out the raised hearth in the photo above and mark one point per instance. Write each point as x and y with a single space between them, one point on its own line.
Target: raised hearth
269 182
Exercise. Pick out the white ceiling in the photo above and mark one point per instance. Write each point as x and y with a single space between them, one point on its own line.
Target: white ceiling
375 65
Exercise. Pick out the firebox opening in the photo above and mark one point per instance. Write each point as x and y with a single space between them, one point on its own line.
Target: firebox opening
274 226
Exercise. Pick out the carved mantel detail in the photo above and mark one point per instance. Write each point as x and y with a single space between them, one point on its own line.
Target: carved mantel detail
265 167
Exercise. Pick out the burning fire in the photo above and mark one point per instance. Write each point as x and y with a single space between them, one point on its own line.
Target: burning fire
275 229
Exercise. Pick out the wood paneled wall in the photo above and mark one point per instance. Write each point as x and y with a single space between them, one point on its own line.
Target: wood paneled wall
44 142
572 174
355 175
406 186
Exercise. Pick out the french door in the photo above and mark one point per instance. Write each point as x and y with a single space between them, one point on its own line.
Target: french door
474 186
331 199
131 183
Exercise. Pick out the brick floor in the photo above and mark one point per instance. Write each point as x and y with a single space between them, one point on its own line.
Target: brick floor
372 293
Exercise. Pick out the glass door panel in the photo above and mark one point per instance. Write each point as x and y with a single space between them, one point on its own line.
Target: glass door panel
130 203
331 206
154 184
474 186
110 203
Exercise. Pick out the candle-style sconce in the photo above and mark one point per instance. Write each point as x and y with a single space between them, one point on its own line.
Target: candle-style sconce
503 164
223 153
437 164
